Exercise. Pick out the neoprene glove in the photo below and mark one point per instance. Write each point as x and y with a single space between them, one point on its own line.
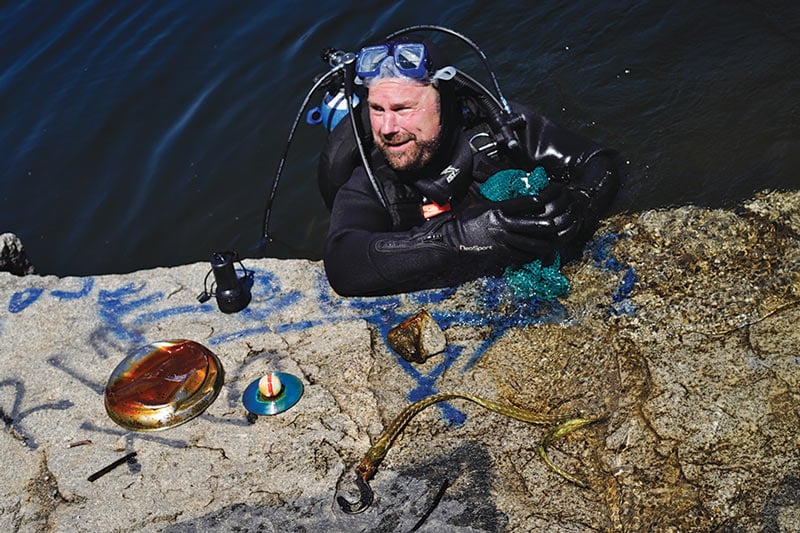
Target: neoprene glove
560 209
504 228
460 246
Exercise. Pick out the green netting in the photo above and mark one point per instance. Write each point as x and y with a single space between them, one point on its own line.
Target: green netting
512 183
532 280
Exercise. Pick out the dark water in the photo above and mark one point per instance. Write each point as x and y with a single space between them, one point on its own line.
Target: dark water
137 134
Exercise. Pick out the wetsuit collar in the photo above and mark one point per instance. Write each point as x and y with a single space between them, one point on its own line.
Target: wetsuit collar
452 180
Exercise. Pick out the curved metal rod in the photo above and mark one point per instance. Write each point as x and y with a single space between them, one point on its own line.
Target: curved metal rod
364 500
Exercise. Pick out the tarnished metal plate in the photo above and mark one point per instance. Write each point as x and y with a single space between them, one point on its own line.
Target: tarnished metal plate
162 385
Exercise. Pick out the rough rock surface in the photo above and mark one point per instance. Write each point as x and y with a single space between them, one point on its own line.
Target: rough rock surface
680 332
13 257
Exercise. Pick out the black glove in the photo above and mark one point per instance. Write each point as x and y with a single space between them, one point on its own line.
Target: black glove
461 246
560 209
502 229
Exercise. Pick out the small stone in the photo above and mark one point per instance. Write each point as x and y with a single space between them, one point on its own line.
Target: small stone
13 258
121 444
417 338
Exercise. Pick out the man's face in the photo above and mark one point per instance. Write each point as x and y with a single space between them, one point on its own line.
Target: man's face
405 118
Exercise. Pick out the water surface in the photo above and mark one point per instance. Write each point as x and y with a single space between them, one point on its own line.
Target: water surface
137 134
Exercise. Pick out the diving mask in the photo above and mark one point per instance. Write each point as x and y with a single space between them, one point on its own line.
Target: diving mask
398 60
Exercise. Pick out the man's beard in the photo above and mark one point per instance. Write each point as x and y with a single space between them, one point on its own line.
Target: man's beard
416 155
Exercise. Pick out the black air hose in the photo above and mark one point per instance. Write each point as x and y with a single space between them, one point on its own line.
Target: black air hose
502 123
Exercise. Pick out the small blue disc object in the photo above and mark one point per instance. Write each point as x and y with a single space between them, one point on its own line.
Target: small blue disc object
258 404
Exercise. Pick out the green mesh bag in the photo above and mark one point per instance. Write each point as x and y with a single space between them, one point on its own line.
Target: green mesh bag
512 183
532 280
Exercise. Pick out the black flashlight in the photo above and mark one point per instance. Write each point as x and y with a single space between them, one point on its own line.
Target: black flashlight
231 291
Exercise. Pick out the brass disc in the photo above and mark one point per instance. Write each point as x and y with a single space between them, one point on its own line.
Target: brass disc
162 385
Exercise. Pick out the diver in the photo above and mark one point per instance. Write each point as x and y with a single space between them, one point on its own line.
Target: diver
411 216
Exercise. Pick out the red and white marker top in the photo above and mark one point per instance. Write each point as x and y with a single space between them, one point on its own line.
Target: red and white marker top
270 385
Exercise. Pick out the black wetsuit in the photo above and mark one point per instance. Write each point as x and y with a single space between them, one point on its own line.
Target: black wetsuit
372 250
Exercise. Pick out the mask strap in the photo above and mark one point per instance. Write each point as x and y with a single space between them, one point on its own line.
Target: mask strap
445 74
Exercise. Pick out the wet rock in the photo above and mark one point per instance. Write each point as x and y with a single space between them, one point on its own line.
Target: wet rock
680 332
13 257
417 338
697 375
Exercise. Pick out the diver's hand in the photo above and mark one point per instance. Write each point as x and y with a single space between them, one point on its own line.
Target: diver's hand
502 228
559 210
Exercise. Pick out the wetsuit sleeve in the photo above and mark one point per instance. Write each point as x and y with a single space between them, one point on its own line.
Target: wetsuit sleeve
364 257
584 166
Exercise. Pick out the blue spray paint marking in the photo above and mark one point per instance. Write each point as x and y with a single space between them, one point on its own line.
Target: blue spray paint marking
23 299
114 305
236 335
299 326
88 285
155 316
425 384
629 280
382 313
497 309
433 296
517 312
268 300
271 292
601 252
